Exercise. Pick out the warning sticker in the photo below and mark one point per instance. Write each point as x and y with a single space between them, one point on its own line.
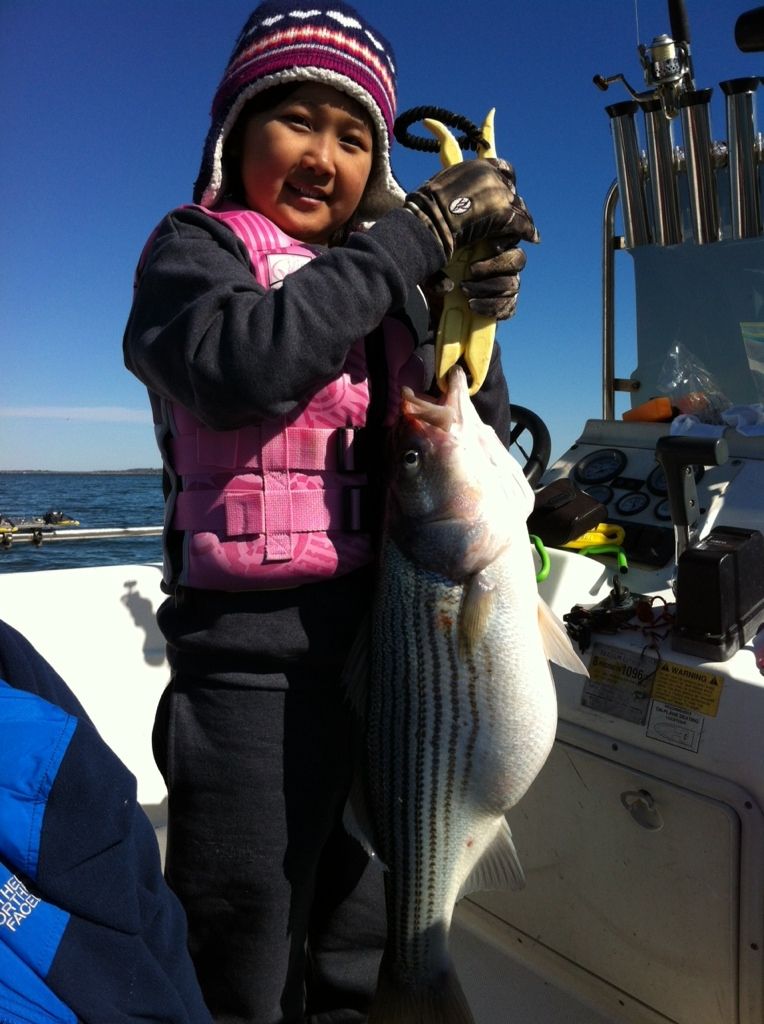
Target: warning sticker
619 682
675 726
688 688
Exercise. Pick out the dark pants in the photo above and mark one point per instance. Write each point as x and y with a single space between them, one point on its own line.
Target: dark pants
285 913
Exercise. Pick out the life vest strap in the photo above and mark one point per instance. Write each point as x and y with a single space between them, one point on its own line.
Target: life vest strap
339 450
243 513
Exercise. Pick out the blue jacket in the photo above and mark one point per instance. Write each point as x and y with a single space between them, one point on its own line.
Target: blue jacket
89 931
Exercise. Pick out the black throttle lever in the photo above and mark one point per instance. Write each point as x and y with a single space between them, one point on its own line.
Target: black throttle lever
677 456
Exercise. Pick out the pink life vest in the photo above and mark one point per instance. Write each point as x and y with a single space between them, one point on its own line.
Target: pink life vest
279 503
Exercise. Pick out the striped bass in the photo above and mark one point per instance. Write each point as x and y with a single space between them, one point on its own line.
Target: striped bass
458 703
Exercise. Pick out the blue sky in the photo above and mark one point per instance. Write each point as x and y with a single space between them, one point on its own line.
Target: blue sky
104 114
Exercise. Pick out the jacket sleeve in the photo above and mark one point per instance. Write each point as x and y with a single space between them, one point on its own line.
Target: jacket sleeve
204 333
97 935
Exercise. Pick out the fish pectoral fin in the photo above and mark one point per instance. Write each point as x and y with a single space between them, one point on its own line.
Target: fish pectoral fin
477 604
557 644
498 868
355 673
357 821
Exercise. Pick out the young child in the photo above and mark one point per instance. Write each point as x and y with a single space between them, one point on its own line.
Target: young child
273 323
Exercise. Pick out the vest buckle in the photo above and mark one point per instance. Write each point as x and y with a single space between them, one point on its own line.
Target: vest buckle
352 448
355 509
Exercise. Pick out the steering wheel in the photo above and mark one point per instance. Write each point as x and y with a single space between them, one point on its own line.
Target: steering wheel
523 422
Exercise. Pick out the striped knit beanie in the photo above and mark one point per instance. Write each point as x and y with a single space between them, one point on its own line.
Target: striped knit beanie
301 41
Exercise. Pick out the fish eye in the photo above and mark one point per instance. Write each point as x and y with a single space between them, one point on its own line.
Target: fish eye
410 459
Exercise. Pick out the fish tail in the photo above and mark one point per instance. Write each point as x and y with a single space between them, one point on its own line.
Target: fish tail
438 1001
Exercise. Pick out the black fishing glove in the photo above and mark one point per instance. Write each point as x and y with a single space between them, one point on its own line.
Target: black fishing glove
493 287
494 283
471 201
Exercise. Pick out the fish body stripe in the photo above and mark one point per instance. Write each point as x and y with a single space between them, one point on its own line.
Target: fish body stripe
452 742
456 728
425 718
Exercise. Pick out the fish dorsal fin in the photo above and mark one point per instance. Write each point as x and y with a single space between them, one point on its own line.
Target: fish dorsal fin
477 604
498 868
557 645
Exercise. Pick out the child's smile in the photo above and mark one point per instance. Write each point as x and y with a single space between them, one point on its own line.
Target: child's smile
306 161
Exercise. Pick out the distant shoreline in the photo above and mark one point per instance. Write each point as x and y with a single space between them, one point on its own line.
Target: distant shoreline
81 472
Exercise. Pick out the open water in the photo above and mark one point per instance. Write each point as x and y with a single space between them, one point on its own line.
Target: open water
96 500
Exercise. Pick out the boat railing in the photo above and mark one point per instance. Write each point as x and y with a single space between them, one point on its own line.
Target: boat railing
47 536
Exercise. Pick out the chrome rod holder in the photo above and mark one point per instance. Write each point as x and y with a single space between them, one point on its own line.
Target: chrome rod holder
630 174
609 245
743 156
667 220
696 130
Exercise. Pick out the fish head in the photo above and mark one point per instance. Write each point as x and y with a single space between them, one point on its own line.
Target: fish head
456 496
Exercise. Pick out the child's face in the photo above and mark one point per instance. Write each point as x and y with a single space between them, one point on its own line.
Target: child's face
306 161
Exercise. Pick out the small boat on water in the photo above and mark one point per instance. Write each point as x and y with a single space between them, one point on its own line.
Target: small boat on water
49 521
642 839
34 527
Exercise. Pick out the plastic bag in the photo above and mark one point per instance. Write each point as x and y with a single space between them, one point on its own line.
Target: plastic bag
690 387
753 342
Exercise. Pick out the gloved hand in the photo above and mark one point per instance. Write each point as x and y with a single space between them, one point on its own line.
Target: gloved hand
494 282
493 285
471 201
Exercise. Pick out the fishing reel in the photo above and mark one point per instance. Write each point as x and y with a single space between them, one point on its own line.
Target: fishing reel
666 65
668 71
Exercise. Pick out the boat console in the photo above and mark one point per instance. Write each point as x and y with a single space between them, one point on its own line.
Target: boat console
643 837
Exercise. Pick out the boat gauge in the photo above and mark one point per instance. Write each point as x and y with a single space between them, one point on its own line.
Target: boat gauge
663 510
600 466
632 504
656 481
600 492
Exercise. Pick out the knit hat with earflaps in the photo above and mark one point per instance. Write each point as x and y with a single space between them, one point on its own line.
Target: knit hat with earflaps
302 41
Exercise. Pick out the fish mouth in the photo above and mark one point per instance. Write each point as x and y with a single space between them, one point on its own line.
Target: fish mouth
445 412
